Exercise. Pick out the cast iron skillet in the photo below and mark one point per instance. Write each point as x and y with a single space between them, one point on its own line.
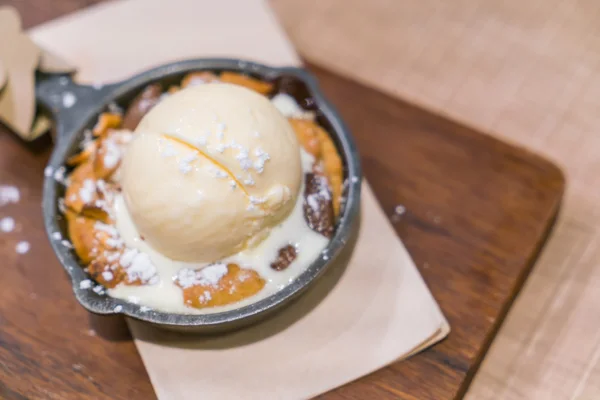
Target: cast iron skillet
55 93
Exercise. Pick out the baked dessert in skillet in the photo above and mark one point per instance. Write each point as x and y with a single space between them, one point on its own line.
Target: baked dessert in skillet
203 197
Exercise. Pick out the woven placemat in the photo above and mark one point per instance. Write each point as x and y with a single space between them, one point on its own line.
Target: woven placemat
525 71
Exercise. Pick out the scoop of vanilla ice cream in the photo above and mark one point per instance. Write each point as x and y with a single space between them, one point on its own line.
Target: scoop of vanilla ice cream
210 169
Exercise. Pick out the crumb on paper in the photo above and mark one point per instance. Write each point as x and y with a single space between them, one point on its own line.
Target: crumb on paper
22 247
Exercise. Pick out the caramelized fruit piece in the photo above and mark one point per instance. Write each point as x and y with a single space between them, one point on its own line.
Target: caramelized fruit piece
140 105
306 132
82 188
89 241
107 158
285 257
95 212
318 207
105 122
87 196
106 270
83 201
83 155
261 87
196 78
316 141
332 164
236 285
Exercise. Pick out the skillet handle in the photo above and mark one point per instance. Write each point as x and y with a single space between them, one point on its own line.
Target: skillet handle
68 102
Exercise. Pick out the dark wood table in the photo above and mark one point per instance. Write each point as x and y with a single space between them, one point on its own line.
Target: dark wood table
478 212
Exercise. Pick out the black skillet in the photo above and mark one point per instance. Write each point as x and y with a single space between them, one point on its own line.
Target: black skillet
75 108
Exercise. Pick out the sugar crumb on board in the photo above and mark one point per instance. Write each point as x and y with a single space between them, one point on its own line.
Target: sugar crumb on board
7 224
22 247
9 194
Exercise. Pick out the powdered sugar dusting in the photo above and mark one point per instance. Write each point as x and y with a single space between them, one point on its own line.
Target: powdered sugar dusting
221 130
60 175
68 99
261 158
9 194
98 289
112 156
218 173
210 275
205 297
169 150
87 191
111 230
85 284
7 224
185 164
313 202
257 200
22 247
201 141
138 265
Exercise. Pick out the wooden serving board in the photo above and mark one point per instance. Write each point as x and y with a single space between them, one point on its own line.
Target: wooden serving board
477 213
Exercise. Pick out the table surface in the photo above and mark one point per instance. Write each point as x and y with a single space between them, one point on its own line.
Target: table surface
477 213
524 71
